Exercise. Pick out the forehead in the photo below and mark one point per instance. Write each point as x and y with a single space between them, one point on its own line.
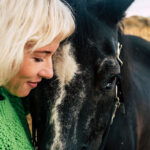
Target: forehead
106 43
51 47
104 37
33 45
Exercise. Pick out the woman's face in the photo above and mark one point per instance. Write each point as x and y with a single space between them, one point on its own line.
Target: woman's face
35 66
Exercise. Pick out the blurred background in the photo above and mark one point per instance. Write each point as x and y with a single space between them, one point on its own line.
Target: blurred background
137 20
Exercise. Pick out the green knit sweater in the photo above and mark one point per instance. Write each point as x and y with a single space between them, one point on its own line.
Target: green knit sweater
14 130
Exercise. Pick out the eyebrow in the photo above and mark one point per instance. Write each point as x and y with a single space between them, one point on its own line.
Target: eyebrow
46 52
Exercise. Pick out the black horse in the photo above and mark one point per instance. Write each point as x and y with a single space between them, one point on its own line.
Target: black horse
75 109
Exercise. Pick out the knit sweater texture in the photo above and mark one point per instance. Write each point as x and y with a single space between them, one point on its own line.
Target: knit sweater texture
14 130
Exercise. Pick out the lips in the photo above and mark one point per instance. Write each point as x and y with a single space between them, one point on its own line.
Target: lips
33 84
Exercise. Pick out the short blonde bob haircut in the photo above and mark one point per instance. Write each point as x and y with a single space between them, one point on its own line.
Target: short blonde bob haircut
35 23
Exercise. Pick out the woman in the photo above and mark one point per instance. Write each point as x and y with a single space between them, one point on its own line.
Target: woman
30 33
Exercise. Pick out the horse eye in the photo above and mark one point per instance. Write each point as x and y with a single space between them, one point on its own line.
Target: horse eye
108 86
110 83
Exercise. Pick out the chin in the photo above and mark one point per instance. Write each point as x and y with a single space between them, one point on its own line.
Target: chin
23 93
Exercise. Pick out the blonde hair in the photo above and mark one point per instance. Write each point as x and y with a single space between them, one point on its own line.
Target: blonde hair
29 22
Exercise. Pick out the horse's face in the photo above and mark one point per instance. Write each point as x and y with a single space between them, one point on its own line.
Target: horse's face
87 98
79 103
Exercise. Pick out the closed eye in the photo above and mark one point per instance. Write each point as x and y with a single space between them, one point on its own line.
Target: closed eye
38 59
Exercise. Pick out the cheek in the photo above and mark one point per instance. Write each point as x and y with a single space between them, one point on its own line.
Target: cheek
27 69
26 72
23 72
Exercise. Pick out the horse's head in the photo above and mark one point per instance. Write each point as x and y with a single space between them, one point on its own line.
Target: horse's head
77 104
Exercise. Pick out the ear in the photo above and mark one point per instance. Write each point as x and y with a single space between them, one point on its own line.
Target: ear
109 10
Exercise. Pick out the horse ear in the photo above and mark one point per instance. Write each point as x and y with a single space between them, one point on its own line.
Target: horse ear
109 10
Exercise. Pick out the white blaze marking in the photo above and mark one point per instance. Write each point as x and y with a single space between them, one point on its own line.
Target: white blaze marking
57 144
65 68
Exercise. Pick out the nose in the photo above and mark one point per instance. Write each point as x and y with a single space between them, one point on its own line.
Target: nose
47 70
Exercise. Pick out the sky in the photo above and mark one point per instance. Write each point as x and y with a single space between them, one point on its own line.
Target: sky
140 8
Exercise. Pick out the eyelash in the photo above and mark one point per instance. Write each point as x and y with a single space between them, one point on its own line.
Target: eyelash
38 59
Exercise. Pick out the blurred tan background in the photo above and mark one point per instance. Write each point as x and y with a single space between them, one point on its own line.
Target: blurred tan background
137 25
137 21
